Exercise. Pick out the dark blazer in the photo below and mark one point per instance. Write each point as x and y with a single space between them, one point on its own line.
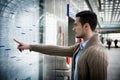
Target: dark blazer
92 64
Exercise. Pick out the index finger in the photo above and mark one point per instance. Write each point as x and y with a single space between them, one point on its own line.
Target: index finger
17 41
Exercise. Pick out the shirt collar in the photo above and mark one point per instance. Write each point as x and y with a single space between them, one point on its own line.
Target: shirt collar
83 44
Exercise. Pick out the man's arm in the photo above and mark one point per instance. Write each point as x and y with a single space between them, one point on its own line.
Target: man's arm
48 49
54 50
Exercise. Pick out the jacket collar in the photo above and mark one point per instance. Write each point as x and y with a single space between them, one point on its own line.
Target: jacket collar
93 41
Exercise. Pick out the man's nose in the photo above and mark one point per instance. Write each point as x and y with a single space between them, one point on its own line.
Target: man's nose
73 29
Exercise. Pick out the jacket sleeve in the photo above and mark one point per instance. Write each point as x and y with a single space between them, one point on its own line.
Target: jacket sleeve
97 62
54 50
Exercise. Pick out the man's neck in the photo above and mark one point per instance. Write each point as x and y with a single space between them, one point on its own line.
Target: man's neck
88 36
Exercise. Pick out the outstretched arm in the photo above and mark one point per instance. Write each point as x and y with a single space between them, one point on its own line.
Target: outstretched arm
48 49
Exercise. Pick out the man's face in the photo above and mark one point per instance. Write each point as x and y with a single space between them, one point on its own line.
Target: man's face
78 28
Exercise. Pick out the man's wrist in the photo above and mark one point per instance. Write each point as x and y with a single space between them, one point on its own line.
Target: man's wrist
29 47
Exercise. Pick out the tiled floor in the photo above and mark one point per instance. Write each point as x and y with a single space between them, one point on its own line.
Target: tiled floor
114 64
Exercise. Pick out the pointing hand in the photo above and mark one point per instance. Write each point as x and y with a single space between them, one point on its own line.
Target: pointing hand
21 46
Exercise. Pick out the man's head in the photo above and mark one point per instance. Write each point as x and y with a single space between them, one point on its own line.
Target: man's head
85 22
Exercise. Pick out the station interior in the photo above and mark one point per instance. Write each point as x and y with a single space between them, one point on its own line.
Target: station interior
51 22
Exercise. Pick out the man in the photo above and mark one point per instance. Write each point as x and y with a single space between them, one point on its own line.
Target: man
89 59
115 42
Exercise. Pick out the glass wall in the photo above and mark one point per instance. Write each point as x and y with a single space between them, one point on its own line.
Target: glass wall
19 19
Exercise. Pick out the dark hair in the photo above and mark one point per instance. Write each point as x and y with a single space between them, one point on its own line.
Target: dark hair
88 17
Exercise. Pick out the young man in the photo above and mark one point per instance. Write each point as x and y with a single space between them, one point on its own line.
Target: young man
89 59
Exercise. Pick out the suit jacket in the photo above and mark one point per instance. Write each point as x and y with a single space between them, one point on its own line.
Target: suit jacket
92 64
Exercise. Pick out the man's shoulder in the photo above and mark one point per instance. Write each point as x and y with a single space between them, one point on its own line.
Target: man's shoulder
99 47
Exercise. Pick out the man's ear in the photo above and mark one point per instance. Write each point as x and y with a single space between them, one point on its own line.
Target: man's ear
86 26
